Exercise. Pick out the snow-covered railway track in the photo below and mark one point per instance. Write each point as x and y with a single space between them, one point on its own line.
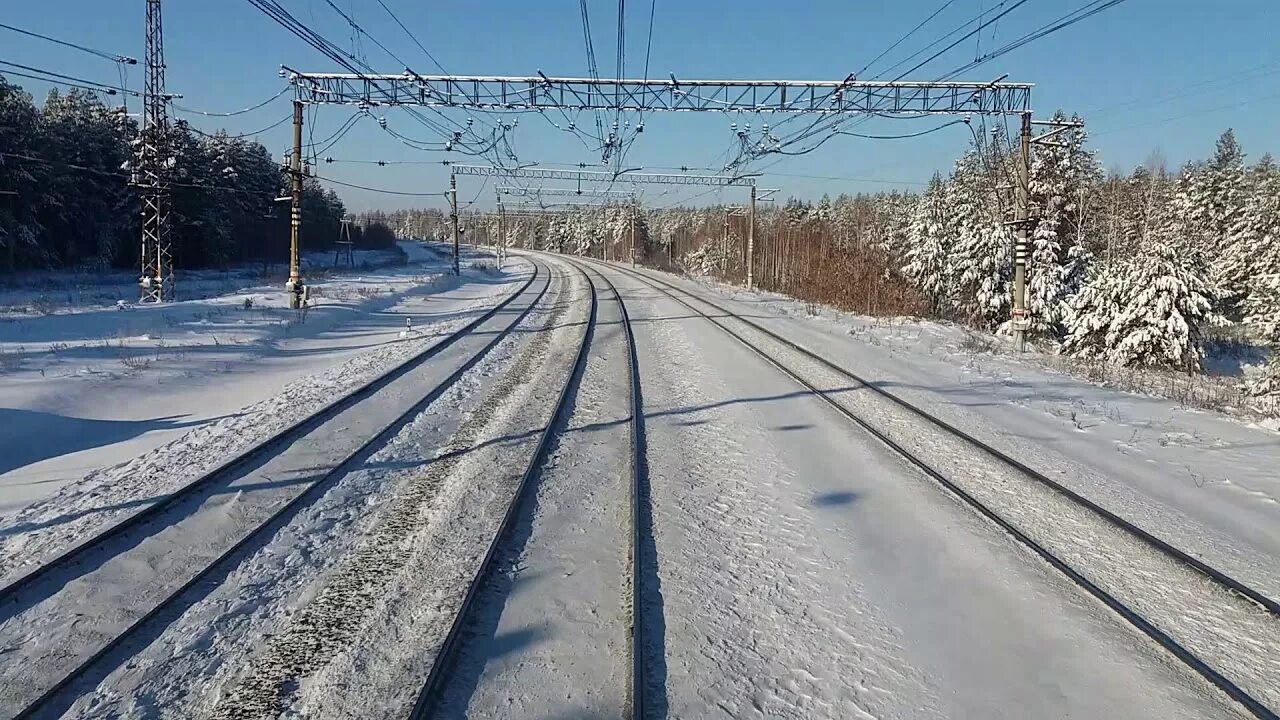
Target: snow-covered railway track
434 696
67 623
1221 628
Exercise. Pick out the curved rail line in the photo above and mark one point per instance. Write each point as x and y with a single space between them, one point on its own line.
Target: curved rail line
1255 707
434 688
446 660
288 435
639 476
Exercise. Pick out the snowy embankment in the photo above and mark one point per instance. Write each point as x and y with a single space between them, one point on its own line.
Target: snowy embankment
1201 480
89 446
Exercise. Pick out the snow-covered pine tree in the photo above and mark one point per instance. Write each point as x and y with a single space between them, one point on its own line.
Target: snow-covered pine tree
927 260
1148 312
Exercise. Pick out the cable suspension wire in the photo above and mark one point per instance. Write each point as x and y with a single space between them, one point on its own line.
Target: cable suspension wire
233 113
412 37
904 38
379 190
62 79
275 11
111 174
108 91
357 28
113 57
335 138
941 39
970 34
1086 11
272 126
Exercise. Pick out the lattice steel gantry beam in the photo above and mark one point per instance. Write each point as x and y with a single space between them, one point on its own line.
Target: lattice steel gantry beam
609 177
786 96
562 192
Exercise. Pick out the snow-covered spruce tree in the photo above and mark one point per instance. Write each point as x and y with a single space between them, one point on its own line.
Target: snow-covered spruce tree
1148 311
927 259
1062 176
983 255
1208 210
1260 249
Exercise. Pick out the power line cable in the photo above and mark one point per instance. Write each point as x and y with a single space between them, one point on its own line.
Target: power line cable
970 34
81 82
904 38
378 190
1086 11
113 57
233 113
412 37
108 91
272 126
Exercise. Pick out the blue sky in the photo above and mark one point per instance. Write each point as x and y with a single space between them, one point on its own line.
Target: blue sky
1150 76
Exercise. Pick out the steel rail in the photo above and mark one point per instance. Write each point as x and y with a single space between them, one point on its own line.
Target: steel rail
38 706
447 656
1254 706
639 483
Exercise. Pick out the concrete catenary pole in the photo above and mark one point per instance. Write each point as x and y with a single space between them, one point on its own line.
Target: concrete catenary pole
453 215
294 286
1022 222
751 239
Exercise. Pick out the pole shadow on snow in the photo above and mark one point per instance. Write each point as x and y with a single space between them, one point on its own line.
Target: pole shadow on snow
832 499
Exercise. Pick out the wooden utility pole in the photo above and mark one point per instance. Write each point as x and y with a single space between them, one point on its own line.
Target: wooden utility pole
1022 221
294 286
751 239
453 214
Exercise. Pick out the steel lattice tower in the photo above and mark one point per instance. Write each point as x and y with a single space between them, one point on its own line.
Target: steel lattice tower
154 160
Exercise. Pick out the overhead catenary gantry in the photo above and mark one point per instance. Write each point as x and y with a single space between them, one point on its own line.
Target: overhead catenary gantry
561 192
826 97
848 96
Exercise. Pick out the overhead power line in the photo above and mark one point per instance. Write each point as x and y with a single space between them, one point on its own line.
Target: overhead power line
233 113
64 79
1081 13
971 33
412 37
272 126
380 190
113 57
904 38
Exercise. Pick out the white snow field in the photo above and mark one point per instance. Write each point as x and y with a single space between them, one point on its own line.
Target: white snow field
1201 480
100 386
790 565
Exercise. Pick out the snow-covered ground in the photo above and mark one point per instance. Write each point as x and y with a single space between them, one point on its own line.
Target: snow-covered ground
1233 635
1202 480
795 568
805 572
552 628
210 642
91 387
